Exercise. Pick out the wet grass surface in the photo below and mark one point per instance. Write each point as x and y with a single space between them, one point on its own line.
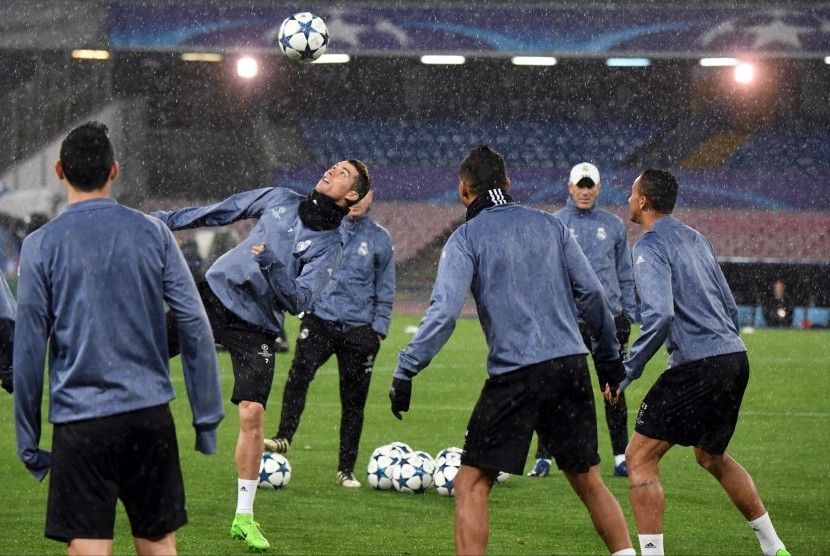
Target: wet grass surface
782 439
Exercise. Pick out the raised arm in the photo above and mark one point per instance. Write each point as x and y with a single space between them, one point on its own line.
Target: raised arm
249 204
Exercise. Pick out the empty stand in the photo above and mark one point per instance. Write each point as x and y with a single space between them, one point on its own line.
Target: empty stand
408 143
798 145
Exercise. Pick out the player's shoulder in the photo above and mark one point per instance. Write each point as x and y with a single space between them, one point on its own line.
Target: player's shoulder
284 193
378 229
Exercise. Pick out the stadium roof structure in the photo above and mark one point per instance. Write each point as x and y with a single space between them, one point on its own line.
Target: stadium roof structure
404 28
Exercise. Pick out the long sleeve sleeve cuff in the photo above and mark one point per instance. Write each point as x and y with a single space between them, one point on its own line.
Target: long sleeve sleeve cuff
38 463
625 382
206 441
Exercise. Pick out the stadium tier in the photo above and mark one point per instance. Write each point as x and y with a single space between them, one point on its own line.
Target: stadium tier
609 144
799 144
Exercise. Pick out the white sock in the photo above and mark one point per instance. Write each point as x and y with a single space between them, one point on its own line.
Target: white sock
625 552
651 545
245 493
618 459
770 543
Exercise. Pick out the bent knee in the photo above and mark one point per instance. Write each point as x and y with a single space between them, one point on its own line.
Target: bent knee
710 462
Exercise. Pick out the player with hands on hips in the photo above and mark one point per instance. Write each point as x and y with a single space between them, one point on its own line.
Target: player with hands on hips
530 280
686 305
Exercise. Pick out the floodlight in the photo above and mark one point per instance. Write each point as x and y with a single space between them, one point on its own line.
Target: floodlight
533 60
714 62
442 59
247 67
744 73
201 57
627 62
90 54
333 59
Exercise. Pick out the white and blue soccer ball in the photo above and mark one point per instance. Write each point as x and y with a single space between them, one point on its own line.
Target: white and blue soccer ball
274 471
303 37
402 447
445 472
425 456
380 468
451 453
414 474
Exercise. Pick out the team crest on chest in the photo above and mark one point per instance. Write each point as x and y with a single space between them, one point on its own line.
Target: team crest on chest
601 233
363 250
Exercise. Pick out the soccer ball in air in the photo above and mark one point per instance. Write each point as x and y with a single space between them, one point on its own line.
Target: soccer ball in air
274 471
414 474
303 37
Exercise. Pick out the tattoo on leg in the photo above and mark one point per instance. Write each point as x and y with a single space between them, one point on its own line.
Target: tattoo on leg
645 484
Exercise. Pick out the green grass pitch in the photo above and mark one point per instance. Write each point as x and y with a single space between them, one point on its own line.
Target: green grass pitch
782 439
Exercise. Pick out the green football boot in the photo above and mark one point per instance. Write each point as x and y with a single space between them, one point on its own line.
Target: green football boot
245 528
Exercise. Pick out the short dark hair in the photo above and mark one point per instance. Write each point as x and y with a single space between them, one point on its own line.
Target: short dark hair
363 182
483 169
661 189
87 156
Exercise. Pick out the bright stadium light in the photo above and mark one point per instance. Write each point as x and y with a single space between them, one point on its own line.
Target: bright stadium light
627 62
444 59
201 57
90 54
744 73
715 62
533 61
247 67
333 59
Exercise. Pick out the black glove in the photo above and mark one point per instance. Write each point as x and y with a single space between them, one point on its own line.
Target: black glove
400 394
623 326
611 373
7 379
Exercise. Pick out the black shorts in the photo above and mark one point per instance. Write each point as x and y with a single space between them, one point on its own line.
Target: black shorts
553 398
696 404
133 457
251 348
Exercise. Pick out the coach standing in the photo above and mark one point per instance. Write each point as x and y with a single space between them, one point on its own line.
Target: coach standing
93 287
349 320
530 280
686 304
602 237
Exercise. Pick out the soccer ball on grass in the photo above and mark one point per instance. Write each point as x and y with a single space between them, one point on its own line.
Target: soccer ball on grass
414 474
274 471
